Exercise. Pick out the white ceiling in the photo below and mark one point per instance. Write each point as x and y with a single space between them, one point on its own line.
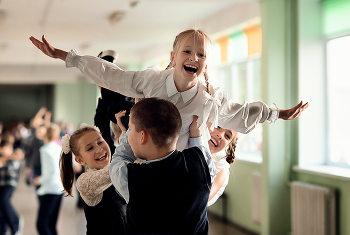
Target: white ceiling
144 31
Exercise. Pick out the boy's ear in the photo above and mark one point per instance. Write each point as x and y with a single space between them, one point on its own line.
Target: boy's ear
79 160
144 137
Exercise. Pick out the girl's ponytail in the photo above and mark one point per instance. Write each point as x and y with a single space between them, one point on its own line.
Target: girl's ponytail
67 172
230 151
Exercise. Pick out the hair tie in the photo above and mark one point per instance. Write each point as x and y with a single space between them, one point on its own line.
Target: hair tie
65 143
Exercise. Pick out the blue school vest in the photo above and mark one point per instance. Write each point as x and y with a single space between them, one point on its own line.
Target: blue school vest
107 217
169 196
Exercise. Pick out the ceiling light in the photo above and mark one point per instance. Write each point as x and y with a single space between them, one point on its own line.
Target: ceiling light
133 3
116 16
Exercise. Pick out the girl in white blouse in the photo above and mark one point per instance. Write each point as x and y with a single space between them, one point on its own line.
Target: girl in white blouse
221 138
186 85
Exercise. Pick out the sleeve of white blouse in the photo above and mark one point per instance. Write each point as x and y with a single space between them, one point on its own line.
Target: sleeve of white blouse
91 185
243 117
110 76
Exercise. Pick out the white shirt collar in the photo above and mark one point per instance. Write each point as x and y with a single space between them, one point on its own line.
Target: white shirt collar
171 89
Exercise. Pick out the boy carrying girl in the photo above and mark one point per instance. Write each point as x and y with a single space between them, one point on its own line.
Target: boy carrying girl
166 190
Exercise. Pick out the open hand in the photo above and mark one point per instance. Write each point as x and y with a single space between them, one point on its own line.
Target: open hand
290 114
120 114
47 49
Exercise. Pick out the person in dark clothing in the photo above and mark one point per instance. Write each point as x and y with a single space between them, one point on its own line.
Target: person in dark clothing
166 191
10 162
32 156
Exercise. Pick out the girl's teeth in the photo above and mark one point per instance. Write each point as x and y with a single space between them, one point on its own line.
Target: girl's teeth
101 157
191 66
213 142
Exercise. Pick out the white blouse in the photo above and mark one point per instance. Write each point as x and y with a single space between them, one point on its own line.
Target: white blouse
92 183
153 82
225 166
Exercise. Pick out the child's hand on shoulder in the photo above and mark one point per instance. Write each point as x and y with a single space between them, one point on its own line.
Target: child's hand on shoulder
194 128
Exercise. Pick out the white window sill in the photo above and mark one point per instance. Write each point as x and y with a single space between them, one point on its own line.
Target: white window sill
326 171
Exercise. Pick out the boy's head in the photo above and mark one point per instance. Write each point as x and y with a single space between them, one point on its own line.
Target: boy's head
52 133
159 118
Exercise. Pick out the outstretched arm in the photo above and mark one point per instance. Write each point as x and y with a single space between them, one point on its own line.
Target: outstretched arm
38 118
49 50
118 116
290 114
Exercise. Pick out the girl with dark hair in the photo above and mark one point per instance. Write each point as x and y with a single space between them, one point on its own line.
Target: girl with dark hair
220 139
102 204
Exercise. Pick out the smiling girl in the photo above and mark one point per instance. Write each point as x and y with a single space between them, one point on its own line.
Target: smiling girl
220 139
185 84
102 204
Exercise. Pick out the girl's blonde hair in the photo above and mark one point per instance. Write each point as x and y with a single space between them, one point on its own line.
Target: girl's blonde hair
231 149
66 161
199 36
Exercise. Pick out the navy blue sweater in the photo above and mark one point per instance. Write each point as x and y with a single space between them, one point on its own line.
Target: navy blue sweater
169 196
107 217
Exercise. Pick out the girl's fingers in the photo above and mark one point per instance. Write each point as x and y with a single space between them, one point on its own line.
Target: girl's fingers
305 106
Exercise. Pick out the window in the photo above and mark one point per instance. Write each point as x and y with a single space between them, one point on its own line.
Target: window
239 76
338 93
336 30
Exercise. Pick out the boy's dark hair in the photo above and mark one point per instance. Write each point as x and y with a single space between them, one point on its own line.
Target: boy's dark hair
160 118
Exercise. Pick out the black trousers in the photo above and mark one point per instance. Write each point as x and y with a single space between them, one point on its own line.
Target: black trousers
48 213
8 215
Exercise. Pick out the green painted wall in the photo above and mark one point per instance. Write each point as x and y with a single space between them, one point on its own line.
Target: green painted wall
22 102
239 195
75 103
292 37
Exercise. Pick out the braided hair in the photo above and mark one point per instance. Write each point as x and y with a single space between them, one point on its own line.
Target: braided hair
231 149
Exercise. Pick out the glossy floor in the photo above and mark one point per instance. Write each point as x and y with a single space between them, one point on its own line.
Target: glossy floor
72 221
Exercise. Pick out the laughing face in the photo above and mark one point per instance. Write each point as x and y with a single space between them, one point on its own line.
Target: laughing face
93 150
220 138
189 61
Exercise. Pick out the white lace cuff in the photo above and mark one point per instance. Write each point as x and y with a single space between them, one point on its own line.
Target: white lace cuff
274 113
70 58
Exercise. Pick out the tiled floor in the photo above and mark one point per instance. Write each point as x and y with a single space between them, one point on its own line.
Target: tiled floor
72 220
